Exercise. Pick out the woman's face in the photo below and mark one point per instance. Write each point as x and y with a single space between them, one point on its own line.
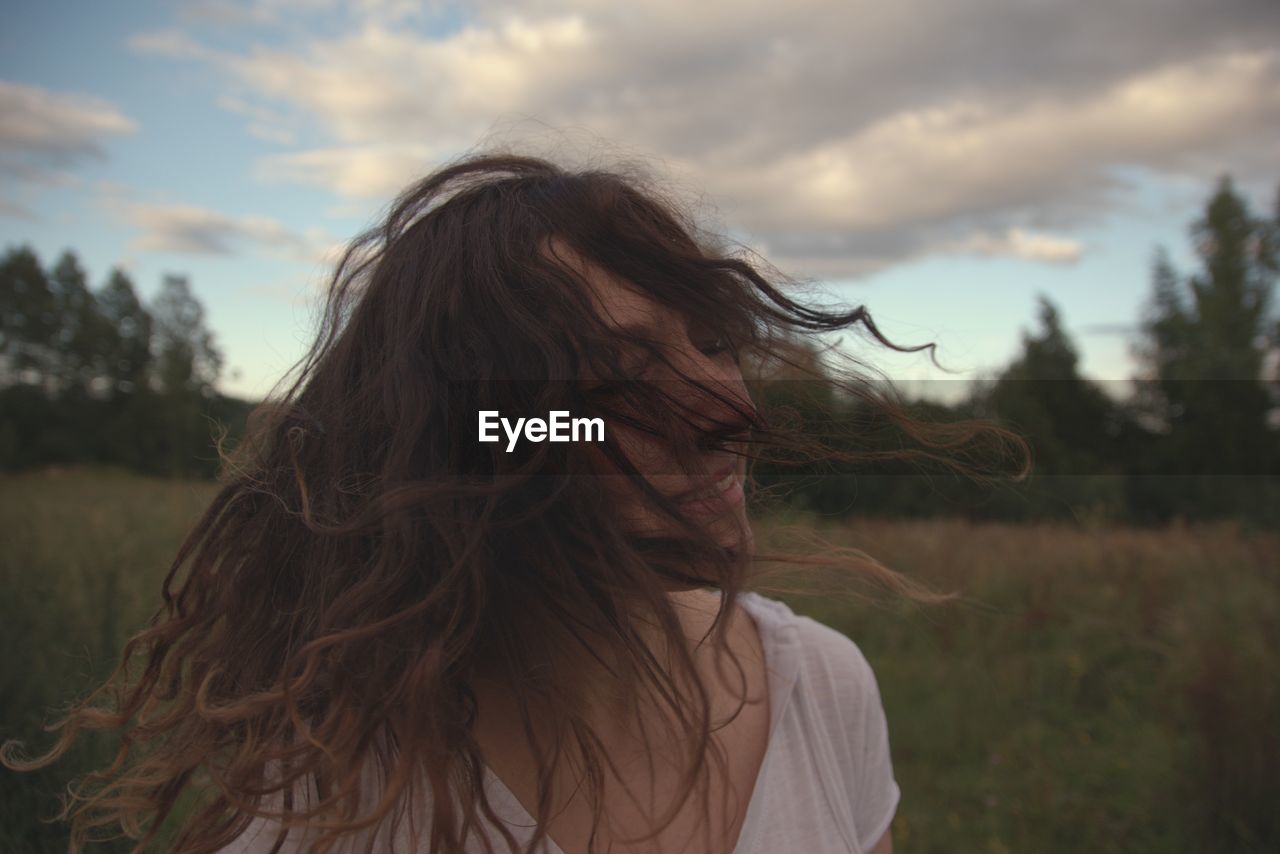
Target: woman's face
713 494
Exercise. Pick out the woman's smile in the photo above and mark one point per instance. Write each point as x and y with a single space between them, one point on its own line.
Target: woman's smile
726 495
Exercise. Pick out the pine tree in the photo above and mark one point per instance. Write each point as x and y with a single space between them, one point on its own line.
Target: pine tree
187 357
84 335
1204 341
1068 419
187 367
129 362
28 321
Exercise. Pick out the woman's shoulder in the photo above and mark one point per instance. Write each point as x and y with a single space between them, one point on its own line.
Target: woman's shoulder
842 713
834 665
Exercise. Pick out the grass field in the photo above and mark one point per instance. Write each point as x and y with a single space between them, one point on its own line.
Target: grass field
1098 689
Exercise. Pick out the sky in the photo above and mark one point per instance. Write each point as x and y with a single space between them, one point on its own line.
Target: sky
942 163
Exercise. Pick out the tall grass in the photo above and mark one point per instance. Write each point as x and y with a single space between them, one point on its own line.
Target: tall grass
83 557
1099 689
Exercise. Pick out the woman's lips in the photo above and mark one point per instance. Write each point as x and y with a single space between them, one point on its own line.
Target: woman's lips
717 484
720 486
726 493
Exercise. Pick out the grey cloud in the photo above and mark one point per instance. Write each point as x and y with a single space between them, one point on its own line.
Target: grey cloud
844 136
194 230
16 210
185 230
44 133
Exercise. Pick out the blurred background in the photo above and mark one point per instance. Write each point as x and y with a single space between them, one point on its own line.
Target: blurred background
1079 204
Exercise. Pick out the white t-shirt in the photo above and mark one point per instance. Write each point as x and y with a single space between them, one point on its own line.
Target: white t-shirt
826 783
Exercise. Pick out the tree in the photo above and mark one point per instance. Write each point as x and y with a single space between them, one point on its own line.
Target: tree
1204 341
187 367
84 334
129 346
98 377
1071 420
1074 428
28 320
188 360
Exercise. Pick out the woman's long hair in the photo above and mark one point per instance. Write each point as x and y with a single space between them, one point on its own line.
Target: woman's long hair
366 558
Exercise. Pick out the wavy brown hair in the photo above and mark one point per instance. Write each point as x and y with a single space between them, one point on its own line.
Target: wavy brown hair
365 559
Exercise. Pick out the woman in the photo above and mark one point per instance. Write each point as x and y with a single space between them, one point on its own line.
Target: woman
382 604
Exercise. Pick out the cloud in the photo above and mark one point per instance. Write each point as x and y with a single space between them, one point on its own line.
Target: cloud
259 13
16 210
173 44
845 137
380 85
365 171
195 230
920 165
1016 243
43 133
265 124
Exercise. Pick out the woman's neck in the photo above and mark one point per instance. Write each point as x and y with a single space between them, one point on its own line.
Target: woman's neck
609 701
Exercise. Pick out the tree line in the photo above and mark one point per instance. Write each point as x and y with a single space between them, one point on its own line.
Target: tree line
1196 435
96 376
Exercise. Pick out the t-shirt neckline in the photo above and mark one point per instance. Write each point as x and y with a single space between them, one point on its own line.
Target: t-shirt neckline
778 640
